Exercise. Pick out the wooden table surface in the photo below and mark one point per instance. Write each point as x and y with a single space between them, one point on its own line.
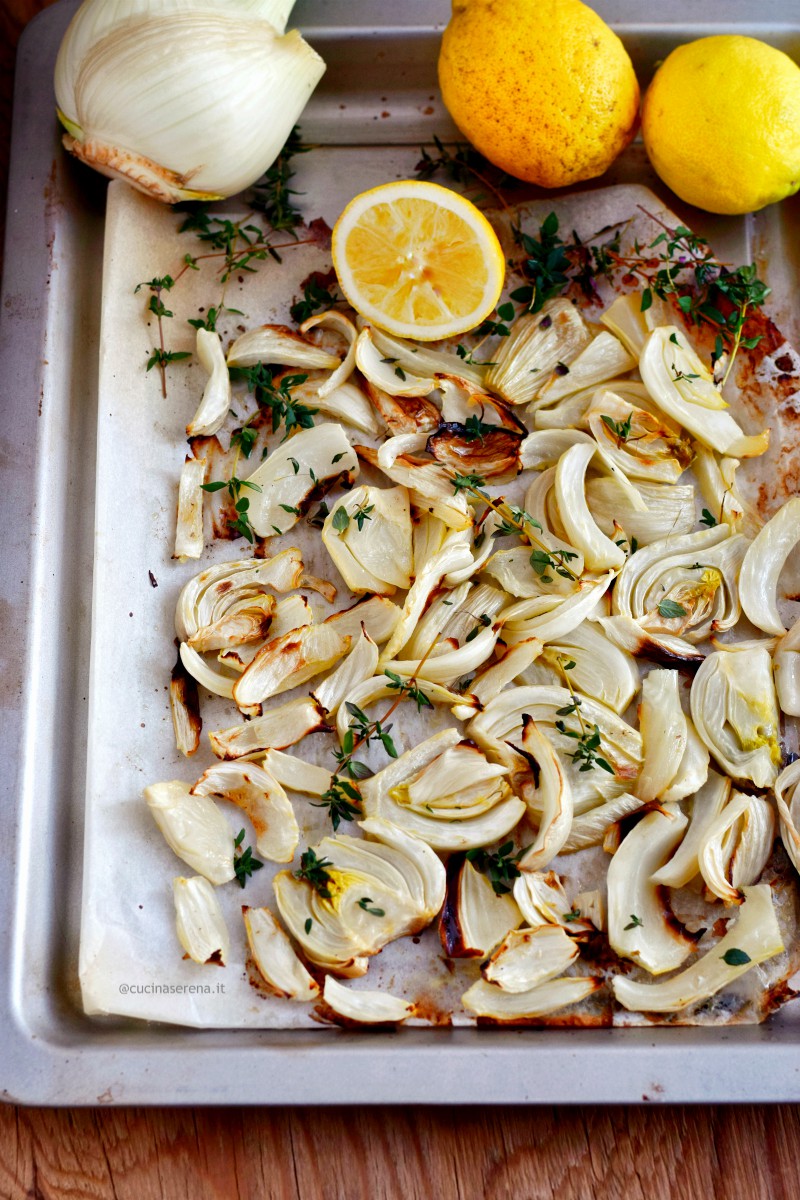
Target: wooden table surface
641 1153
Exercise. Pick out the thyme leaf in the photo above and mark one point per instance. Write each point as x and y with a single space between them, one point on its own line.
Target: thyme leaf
670 608
736 958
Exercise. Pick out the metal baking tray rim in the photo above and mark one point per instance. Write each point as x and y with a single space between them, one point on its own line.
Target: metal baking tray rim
53 1054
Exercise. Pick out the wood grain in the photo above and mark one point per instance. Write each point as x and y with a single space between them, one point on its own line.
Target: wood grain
386 1154
400 1154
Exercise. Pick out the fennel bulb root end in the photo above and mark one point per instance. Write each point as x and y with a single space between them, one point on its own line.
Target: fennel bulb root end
146 176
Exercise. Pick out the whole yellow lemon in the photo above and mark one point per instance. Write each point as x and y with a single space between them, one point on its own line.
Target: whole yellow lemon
721 123
543 88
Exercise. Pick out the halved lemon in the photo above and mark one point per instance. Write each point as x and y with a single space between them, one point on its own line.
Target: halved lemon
418 260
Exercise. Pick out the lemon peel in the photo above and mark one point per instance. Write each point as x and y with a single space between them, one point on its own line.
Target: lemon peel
543 88
721 123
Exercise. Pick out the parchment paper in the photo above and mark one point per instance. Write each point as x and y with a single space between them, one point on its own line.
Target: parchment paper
130 959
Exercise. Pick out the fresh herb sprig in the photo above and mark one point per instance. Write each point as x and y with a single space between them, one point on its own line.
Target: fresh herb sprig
585 755
315 871
238 243
243 862
407 688
498 328
160 356
587 736
276 396
475 430
209 321
316 296
242 243
362 514
342 799
677 264
462 164
241 522
273 195
546 265
500 866
680 264
620 429
245 438
361 732
519 522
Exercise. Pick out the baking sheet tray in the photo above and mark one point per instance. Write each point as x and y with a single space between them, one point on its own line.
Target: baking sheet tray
48 352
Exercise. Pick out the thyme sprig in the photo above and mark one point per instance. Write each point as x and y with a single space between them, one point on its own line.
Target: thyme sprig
407 688
549 264
316 296
342 799
276 396
241 522
500 866
315 871
474 429
587 736
620 429
273 195
224 236
680 264
546 266
243 862
240 244
245 438
489 327
497 328
518 521
209 321
160 356
677 264
461 163
342 518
